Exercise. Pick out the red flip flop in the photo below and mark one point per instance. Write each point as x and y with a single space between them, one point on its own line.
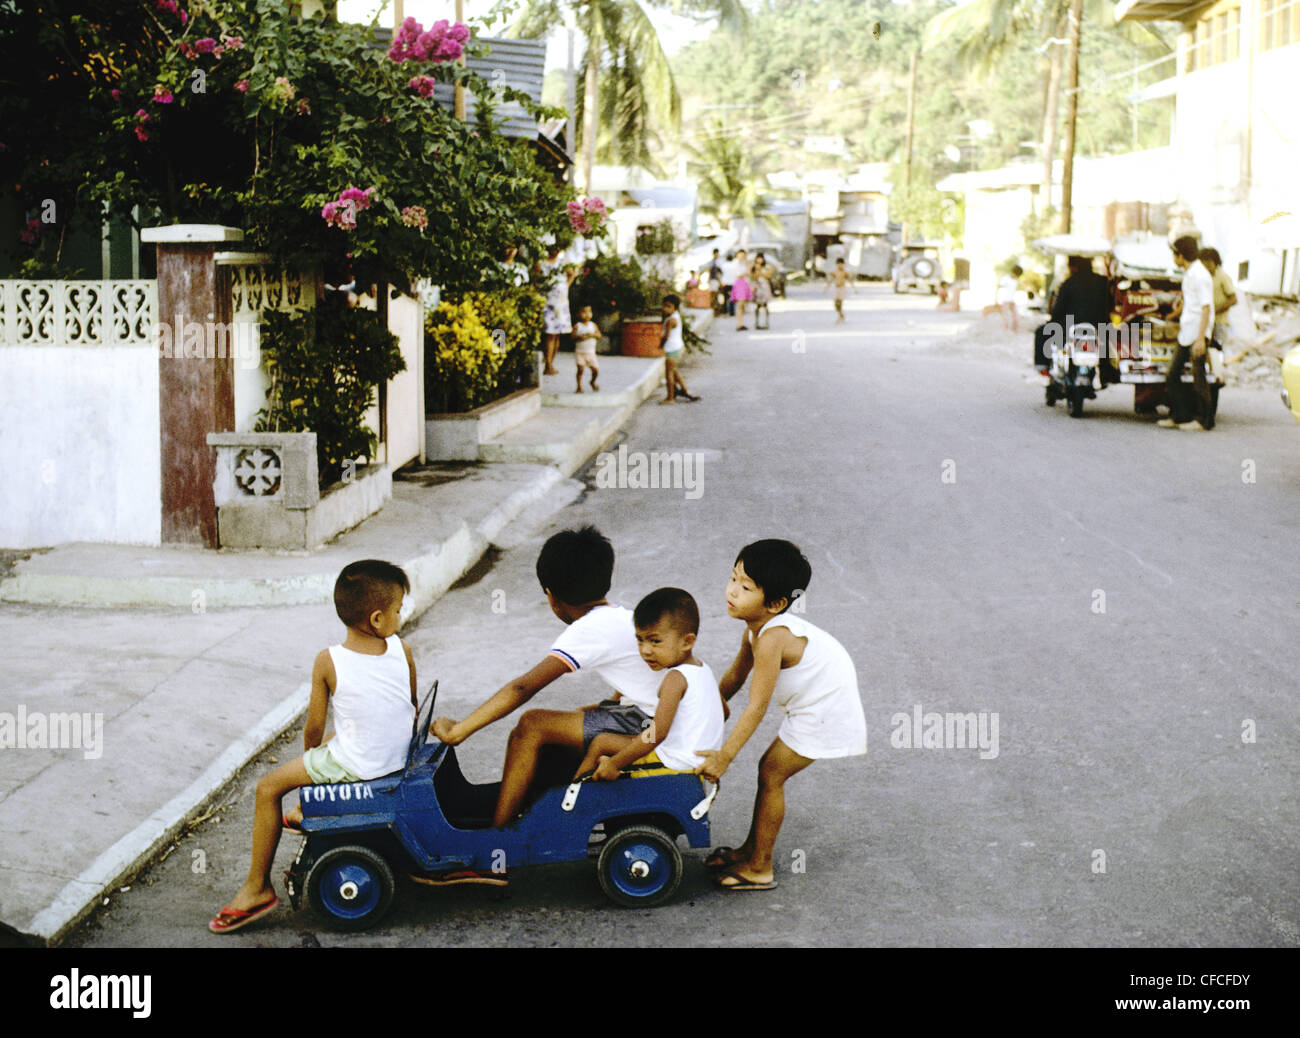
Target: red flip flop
228 920
288 825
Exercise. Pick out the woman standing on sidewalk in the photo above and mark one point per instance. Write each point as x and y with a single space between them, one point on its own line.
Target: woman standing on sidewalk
556 315
741 292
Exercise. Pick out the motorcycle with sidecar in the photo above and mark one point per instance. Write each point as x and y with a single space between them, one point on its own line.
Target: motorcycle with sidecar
1137 346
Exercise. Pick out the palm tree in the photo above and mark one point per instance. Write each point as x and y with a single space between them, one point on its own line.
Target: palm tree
986 30
729 170
636 92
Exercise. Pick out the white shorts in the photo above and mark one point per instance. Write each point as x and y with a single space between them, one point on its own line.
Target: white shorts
585 358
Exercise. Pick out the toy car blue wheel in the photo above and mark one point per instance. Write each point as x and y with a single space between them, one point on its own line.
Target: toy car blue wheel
350 887
640 866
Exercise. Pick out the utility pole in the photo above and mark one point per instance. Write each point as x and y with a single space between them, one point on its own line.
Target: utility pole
1071 112
907 155
460 90
570 101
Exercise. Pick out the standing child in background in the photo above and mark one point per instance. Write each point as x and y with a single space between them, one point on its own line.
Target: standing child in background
1007 289
585 336
762 275
693 281
671 342
841 282
741 290
556 316
688 719
371 677
808 672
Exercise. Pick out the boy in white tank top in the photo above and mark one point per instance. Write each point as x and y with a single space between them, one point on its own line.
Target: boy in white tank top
688 718
808 673
371 678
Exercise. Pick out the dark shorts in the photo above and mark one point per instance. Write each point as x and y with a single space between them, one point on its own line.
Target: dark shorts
613 716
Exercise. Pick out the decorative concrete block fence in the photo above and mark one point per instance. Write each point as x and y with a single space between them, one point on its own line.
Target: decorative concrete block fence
456 437
267 493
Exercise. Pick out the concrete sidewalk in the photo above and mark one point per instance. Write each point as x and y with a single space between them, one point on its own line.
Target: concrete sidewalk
178 665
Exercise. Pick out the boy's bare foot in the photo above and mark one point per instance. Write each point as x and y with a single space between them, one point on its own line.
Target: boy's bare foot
594 388
550 371
724 858
667 400
246 900
458 877
578 390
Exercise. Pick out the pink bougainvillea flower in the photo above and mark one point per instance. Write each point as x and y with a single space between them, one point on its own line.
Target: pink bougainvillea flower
233 42
242 86
355 195
303 107
184 17
162 95
142 133
167 5
415 216
422 85
116 94
206 45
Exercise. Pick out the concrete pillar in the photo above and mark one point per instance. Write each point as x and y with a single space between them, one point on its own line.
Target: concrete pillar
196 377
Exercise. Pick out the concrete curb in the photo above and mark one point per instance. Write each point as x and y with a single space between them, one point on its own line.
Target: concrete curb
81 896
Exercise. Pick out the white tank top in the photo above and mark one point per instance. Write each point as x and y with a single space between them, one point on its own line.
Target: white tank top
373 714
824 677
698 723
674 342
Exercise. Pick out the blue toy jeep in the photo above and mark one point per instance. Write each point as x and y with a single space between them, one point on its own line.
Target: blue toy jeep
430 818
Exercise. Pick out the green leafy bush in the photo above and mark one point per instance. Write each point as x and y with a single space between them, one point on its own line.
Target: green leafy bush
324 365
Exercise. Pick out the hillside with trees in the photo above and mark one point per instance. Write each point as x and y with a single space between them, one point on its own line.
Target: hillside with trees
813 71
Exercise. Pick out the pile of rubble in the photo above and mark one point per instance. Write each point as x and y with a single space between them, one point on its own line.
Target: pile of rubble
1264 329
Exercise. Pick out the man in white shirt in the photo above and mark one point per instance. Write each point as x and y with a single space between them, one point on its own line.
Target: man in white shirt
1194 324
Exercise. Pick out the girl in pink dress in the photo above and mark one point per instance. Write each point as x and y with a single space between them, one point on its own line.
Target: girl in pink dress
741 292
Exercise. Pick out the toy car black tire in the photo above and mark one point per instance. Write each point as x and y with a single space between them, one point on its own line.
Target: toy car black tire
350 887
639 867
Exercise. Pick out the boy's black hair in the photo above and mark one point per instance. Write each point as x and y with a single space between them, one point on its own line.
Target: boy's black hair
778 568
576 566
365 586
1186 247
670 298
1212 255
1017 270
671 602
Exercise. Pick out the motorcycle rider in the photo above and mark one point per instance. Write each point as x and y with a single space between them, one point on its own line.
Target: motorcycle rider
1083 298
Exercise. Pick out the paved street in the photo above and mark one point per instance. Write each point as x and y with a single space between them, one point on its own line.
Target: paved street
1121 600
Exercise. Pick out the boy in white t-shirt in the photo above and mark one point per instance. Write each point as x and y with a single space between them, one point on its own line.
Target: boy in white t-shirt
688 717
370 677
575 568
586 333
808 673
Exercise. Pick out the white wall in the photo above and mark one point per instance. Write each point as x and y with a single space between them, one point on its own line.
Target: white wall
79 444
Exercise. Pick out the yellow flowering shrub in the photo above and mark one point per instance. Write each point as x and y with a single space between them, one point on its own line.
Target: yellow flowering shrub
462 358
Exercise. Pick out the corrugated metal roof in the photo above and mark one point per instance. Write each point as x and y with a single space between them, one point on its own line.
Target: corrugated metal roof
520 64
